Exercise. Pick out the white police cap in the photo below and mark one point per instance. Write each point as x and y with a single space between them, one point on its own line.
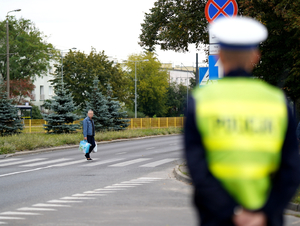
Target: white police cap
238 32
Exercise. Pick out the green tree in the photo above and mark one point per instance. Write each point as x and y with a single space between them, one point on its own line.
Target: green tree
62 117
36 113
9 121
99 104
119 121
80 69
176 99
29 50
152 83
174 24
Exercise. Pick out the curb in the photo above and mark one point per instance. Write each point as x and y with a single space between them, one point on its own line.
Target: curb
19 153
181 177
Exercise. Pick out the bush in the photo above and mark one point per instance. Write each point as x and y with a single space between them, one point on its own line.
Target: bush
131 114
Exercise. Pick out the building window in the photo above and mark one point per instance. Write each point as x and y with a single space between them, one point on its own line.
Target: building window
42 94
33 95
50 90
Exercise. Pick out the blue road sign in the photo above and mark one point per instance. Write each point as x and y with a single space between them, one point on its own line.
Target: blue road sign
215 68
203 75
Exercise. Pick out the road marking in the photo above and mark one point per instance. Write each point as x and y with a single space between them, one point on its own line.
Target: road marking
25 171
21 162
46 162
9 160
2 222
122 153
160 162
19 213
126 184
149 178
11 218
70 163
103 162
150 148
63 201
88 195
50 205
123 186
127 163
139 181
98 192
72 198
109 190
35 209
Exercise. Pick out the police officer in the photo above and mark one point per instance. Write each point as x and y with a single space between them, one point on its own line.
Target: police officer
240 142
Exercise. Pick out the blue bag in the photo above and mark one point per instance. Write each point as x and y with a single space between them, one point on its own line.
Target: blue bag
84 146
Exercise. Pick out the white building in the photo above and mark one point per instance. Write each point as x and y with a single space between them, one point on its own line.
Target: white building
43 88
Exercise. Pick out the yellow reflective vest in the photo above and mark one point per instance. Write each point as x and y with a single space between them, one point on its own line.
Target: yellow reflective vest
242 122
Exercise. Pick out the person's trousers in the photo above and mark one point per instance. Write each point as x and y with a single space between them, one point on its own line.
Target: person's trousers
91 140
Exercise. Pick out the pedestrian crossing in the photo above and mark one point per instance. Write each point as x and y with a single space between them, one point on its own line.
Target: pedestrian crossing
62 162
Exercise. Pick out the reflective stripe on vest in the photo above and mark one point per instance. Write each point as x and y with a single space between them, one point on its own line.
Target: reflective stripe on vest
243 123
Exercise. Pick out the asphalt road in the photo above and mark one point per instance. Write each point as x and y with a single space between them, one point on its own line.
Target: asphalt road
127 183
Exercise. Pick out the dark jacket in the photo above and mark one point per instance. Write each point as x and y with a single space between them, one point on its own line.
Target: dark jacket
88 127
215 206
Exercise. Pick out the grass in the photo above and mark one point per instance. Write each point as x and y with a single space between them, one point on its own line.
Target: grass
22 142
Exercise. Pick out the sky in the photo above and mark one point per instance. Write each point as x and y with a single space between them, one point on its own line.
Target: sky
110 25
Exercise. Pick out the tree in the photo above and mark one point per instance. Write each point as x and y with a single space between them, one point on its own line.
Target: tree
98 103
9 121
62 118
176 99
29 50
174 24
118 117
152 83
36 113
80 69
20 89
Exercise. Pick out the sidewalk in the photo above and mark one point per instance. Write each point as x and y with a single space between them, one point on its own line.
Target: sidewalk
181 174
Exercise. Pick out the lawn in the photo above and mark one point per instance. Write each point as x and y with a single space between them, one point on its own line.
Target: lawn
21 142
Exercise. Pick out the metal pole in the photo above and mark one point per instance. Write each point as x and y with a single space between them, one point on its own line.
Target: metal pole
7 57
62 70
187 91
197 71
135 101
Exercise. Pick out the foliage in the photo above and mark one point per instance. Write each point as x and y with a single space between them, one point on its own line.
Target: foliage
20 89
174 24
131 114
34 141
176 99
29 50
152 83
99 104
80 69
9 121
118 117
60 121
36 113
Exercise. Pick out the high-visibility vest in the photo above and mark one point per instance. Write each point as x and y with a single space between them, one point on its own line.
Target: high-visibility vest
242 122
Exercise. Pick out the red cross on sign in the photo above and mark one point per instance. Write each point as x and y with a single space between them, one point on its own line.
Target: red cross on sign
220 8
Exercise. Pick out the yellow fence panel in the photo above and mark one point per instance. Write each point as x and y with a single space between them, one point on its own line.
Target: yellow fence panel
37 125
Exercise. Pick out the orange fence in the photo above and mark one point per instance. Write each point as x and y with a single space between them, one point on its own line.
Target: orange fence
36 125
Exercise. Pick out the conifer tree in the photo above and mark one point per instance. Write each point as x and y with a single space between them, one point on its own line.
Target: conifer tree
9 121
62 117
119 122
98 103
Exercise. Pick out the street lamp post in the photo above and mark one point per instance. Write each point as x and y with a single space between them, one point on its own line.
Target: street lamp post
7 50
135 94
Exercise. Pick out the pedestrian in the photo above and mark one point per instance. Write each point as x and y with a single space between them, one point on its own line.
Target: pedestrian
89 132
240 141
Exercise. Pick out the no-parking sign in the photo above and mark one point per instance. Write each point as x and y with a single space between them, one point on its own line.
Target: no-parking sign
219 8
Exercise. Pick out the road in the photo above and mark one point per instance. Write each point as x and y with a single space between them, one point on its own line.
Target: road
127 183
